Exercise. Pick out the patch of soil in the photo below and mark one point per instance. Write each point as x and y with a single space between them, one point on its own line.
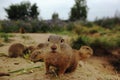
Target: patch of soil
95 68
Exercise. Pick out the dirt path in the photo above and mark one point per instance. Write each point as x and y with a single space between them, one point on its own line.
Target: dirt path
95 68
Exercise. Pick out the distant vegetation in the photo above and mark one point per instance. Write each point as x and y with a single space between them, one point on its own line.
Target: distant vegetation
22 11
79 10
104 33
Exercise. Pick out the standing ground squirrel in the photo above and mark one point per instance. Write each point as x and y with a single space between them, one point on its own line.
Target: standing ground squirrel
60 55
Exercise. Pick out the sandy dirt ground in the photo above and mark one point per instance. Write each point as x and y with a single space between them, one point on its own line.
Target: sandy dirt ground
95 68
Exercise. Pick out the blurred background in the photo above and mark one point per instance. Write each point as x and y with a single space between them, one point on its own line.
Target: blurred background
95 23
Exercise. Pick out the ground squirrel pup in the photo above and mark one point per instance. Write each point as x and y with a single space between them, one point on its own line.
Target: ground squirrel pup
29 49
42 45
16 49
38 53
85 52
60 56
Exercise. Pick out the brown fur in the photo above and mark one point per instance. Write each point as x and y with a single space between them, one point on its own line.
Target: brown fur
38 52
16 49
60 56
22 30
29 49
84 52
42 45
37 55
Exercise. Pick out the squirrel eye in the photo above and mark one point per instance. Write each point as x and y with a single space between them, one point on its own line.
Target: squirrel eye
62 40
87 48
48 39
39 52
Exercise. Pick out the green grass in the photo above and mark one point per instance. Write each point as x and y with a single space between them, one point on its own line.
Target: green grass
80 41
106 41
6 37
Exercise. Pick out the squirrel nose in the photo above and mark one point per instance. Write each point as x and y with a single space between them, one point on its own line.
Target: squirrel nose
53 47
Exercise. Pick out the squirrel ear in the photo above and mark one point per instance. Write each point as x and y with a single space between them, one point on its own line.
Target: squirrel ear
62 40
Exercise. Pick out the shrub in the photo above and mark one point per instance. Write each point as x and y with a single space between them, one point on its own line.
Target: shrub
106 42
87 24
80 41
44 28
26 25
9 26
57 28
70 26
116 28
108 22
96 29
31 26
78 29
35 25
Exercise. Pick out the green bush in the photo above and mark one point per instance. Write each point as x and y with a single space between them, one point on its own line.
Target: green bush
96 29
80 41
9 26
70 27
26 25
106 42
79 29
57 28
108 22
87 24
116 28
36 25
44 28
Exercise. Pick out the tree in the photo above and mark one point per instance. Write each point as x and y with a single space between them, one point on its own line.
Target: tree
33 11
22 11
79 10
55 16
